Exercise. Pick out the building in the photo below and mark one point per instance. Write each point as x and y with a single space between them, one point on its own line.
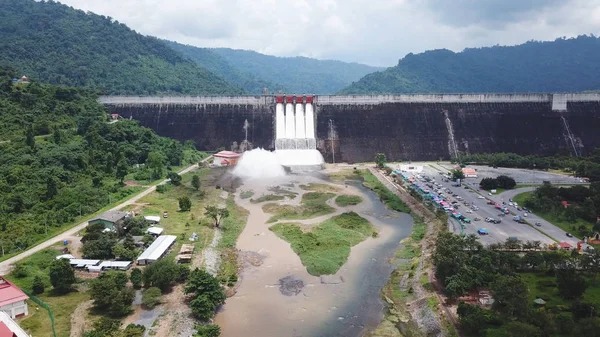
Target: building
156 231
469 172
565 245
83 263
153 219
110 219
10 328
226 158
13 300
157 249
106 265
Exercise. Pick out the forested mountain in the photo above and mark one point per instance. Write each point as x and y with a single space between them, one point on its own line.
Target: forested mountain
60 159
254 71
57 44
216 64
297 74
563 65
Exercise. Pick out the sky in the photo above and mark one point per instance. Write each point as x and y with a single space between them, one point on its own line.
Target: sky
375 32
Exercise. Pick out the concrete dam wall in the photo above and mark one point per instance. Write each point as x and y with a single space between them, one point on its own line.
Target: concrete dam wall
404 127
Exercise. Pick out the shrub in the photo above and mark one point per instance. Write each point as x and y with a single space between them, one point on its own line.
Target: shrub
151 297
38 286
136 278
62 276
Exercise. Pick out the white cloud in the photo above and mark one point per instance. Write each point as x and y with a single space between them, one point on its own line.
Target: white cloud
377 32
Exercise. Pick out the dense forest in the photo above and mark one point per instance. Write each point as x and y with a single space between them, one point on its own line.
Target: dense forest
299 75
57 44
563 65
215 63
61 159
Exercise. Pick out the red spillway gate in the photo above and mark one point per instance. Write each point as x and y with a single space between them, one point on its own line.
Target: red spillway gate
309 99
289 99
279 99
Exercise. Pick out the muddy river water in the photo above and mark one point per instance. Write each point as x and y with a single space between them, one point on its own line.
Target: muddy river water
345 304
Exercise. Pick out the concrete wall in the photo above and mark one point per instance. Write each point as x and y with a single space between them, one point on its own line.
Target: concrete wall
404 127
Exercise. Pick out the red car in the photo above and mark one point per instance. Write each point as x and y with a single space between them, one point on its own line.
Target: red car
490 202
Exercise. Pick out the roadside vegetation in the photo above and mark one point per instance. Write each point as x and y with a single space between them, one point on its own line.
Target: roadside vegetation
565 286
313 204
579 214
585 166
324 248
389 199
348 200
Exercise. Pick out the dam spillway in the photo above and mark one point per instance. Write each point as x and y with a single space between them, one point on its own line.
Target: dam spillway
404 127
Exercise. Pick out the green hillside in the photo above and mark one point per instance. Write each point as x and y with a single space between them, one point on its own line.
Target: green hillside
297 74
216 64
57 44
563 65
60 159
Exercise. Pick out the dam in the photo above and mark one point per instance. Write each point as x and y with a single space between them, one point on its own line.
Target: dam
353 128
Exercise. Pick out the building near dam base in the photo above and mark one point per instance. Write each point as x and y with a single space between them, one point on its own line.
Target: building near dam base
226 158
353 128
13 301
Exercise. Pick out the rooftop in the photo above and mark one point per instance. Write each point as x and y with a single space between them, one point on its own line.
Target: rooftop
112 216
9 293
10 328
227 154
158 247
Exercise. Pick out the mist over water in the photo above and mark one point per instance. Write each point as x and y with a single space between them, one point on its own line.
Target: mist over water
258 164
299 157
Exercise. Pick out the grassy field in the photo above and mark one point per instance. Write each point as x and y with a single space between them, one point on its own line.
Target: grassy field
544 286
348 200
38 321
267 197
312 205
388 198
326 247
246 194
567 226
320 188
347 174
231 228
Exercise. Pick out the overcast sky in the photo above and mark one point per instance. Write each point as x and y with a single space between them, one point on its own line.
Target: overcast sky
376 32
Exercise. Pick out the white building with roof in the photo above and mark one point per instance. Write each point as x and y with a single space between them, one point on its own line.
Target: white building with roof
155 231
157 249
10 328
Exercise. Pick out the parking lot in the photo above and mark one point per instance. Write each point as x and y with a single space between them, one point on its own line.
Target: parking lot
474 197
521 176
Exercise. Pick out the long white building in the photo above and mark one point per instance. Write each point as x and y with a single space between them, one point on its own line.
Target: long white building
157 249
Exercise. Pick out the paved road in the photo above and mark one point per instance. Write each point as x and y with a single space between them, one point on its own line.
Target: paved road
548 228
6 266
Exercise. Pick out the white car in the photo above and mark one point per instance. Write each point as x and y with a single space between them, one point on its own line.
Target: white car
510 204
481 197
490 194
525 214
469 211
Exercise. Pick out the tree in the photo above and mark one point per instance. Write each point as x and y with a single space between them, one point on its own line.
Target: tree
110 293
122 170
457 174
30 138
136 278
208 294
122 253
506 182
571 285
185 204
488 184
51 188
380 160
62 276
99 249
156 162
510 295
216 213
175 178
38 286
160 274
473 319
581 310
151 297
207 330
196 182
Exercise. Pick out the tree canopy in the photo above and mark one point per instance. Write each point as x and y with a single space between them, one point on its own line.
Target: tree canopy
563 65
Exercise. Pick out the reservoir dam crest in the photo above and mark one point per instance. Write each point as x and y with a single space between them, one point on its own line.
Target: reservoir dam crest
352 128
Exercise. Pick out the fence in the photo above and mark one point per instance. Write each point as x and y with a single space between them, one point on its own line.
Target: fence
43 305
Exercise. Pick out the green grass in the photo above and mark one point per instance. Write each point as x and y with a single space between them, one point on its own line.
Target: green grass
233 225
347 200
567 226
267 197
544 286
313 204
326 247
319 188
347 174
38 321
246 194
389 199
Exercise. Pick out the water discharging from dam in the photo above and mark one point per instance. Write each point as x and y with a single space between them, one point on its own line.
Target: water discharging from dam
295 143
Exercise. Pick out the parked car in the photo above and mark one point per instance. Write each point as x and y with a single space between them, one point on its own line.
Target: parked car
569 235
525 214
476 219
519 209
538 224
481 197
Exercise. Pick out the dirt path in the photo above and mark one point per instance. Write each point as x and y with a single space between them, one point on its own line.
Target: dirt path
78 325
6 266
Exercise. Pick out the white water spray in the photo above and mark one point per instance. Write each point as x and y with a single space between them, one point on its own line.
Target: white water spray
300 131
258 164
290 126
310 121
280 121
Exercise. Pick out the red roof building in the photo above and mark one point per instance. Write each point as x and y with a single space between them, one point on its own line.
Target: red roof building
10 328
13 301
564 245
226 158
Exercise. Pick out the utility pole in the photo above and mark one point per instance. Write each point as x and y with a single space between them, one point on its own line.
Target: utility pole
331 139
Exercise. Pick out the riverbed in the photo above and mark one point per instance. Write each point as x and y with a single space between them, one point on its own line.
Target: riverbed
345 304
